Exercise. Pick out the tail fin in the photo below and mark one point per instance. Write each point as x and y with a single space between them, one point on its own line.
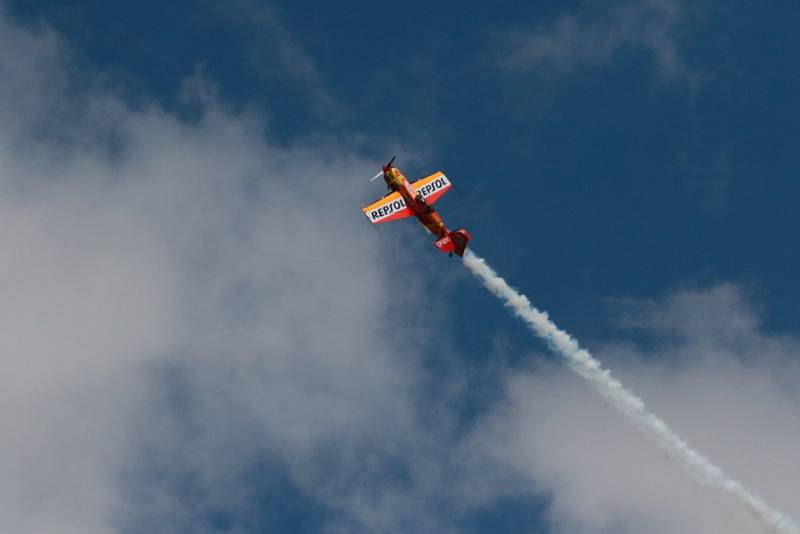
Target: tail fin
455 241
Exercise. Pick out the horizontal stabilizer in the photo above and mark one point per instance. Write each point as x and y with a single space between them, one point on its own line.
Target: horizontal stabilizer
454 242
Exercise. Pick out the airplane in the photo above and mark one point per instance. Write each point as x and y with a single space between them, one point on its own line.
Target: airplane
407 199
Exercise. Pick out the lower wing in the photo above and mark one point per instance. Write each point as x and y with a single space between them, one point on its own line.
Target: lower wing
390 208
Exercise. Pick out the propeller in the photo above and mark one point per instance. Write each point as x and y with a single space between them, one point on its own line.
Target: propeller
385 169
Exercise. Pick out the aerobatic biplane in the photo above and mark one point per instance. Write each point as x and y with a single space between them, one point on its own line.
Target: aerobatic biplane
406 199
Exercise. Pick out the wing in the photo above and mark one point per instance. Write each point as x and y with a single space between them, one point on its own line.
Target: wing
432 187
389 208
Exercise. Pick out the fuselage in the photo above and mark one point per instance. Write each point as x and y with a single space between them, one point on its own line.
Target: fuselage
425 213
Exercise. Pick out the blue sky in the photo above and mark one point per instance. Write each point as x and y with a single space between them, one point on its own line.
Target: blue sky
626 165
633 180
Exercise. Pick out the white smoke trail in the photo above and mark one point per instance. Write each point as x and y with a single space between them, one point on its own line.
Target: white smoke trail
626 402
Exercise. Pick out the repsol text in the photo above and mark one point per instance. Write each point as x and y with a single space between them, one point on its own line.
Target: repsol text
387 209
432 187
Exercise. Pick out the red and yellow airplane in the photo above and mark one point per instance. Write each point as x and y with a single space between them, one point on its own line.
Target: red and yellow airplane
417 199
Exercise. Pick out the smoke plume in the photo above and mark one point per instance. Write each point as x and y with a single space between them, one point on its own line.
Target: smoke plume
582 363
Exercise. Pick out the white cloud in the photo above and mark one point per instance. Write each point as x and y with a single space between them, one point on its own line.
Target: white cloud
711 373
185 303
594 36
186 300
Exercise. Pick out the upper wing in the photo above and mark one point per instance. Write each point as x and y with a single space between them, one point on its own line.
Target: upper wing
432 187
389 208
